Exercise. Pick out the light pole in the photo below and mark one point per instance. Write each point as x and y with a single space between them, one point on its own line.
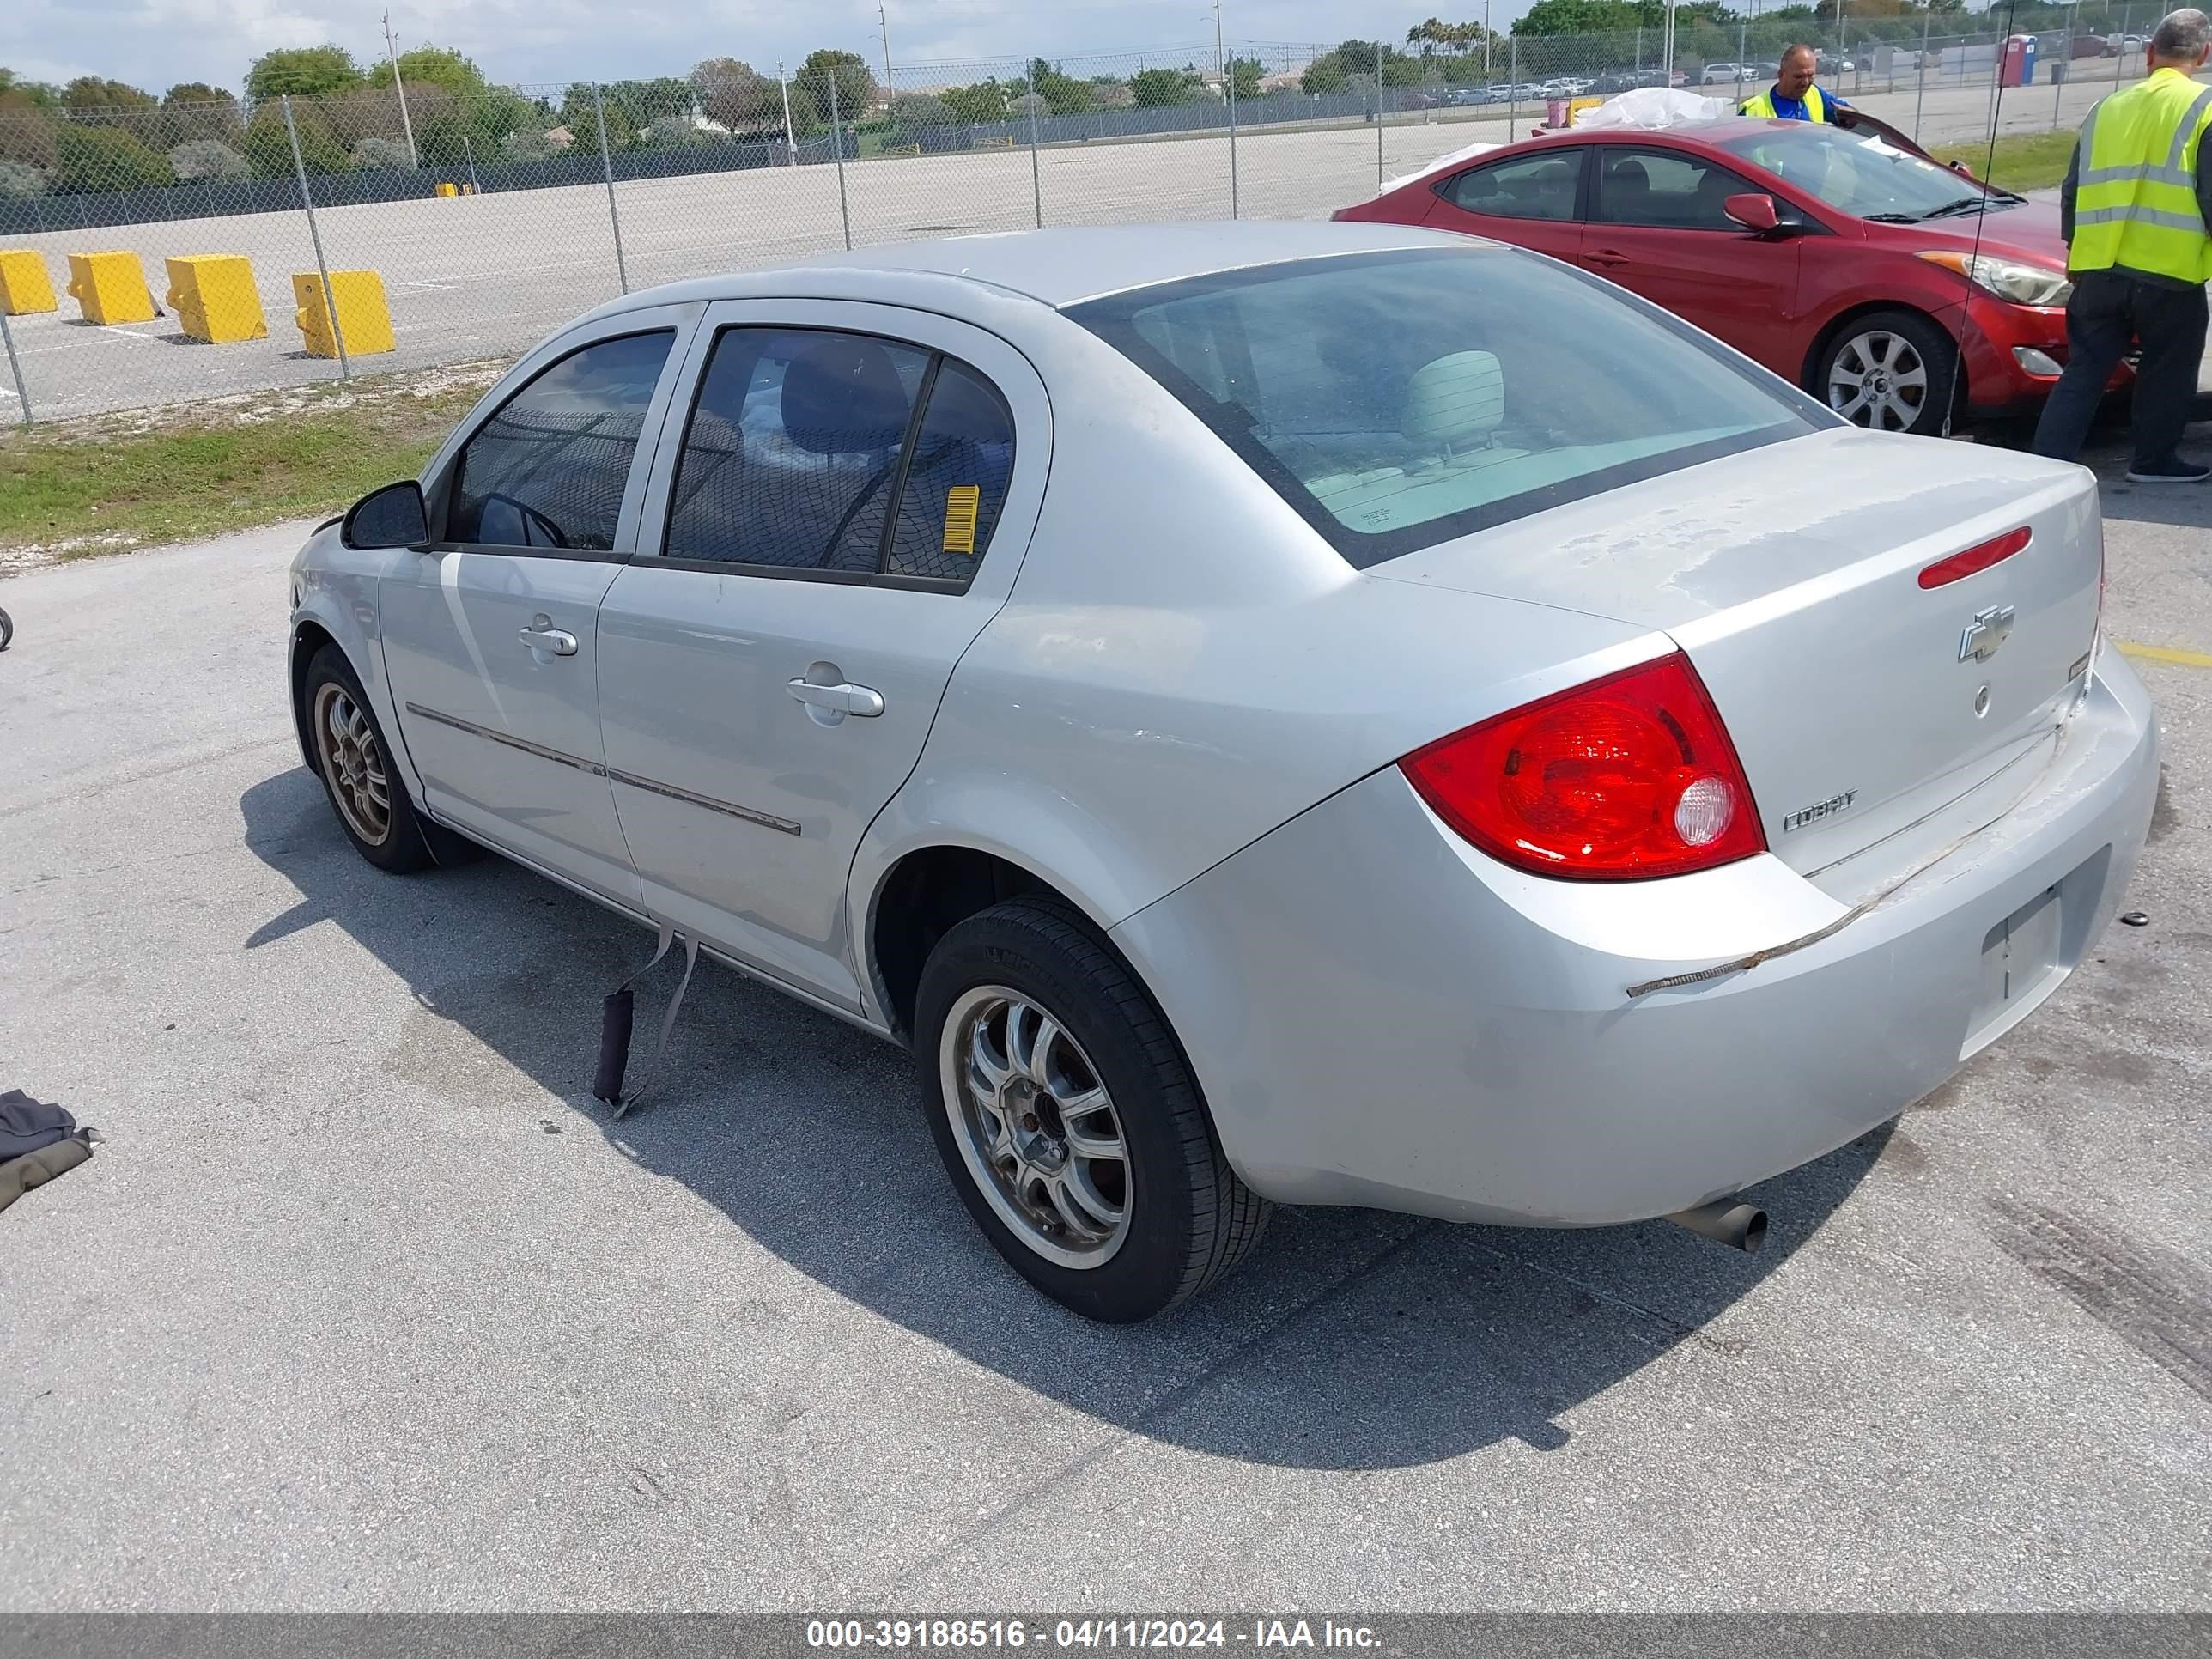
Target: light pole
391 51
884 23
790 143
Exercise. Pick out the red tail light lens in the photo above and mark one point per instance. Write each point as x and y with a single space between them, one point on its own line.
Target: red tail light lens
1961 565
1628 778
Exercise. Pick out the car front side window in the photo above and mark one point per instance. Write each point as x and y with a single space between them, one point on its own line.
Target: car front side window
548 469
1665 189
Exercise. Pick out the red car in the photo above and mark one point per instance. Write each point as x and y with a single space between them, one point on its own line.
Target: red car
1843 259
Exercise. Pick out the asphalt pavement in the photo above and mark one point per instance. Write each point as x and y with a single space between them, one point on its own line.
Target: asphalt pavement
366 1304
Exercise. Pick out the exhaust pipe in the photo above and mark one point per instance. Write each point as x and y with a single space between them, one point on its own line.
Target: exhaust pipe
1729 1221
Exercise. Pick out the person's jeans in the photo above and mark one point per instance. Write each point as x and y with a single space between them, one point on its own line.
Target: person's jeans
2109 309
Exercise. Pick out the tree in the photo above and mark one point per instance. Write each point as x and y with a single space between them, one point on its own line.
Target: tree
90 100
383 154
1153 89
1244 75
269 148
736 96
207 158
302 71
16 92
90 92
26 134
95 158
1324 75
581 115
434 66
644 102
1062 95
21 180
1593 17
526 144
191 111
915 112
856 88
978 105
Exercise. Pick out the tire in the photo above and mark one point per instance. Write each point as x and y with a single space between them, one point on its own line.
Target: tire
1027 994
7 630
392 839
1916 363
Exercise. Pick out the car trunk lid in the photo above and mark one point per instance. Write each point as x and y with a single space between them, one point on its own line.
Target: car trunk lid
1860 702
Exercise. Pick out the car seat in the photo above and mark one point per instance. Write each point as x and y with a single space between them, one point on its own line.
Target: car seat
965 443
843 401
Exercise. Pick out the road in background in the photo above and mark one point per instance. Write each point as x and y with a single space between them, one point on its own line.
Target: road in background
475 277
366 1304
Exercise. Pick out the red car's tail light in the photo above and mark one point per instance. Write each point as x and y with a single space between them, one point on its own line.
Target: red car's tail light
1629 777
1961 565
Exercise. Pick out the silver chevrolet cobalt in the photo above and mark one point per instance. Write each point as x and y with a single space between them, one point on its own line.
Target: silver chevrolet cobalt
1313 714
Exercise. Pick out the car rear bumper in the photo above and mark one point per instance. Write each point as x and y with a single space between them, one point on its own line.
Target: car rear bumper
1381 1016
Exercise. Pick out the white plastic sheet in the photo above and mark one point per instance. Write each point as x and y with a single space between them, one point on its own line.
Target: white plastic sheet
1654 108
1441 161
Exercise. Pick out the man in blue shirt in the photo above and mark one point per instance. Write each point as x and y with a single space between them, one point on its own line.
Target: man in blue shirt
1794 97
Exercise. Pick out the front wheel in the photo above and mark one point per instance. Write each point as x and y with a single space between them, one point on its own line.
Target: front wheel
1069 1121
368 796
7 630
1892 371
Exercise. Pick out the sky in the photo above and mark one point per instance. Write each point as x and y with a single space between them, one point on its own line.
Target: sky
156 43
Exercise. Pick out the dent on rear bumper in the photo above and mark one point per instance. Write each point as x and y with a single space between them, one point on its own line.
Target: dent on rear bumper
1380 1016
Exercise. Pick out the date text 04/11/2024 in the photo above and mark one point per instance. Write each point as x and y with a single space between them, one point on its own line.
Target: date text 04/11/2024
935 1634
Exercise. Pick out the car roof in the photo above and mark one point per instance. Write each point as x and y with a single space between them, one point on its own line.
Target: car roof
1064 267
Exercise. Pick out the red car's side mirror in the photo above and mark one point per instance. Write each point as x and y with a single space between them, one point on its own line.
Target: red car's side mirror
1752 211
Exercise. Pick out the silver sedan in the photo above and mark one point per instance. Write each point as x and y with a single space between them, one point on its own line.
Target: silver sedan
1319 714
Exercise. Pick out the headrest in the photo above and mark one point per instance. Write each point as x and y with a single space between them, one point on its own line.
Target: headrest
840 395
1455 399
1630 172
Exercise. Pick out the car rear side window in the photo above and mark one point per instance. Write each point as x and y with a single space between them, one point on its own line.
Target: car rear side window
1397 400
803 454
1540 186
549 469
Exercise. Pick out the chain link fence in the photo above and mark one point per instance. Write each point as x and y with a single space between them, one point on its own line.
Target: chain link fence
487 218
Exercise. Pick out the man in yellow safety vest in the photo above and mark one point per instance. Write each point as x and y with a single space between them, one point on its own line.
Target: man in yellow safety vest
1794 97
2137 217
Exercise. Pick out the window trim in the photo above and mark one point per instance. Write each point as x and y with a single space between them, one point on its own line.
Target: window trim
936 357
1111 320
1442 189
449 484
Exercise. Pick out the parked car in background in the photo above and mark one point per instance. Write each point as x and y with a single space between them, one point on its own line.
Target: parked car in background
1719 74
1900 291
1512 760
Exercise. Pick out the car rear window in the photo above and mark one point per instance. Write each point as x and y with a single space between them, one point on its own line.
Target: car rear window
1398 400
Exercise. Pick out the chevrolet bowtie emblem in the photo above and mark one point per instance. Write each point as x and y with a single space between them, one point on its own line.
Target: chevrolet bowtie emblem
1988 630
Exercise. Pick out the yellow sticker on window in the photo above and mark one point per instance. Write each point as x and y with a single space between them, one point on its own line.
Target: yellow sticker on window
961 503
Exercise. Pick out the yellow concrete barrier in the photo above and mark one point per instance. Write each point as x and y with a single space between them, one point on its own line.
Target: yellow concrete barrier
363 316
24 286
110 287
448 190
214 297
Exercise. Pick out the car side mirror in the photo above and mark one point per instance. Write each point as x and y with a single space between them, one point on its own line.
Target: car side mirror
1753 211
394 516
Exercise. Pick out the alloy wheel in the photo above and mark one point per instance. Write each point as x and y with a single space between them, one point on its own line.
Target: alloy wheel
1880 380
353 763
1035 1127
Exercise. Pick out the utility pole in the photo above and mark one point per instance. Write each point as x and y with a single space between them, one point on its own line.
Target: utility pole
391 51
884 23
790 143
1228 92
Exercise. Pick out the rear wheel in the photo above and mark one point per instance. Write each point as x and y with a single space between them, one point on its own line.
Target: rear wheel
1891 371
1069 1121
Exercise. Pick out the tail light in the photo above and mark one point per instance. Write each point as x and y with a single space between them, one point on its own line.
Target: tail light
1960 566
1627 778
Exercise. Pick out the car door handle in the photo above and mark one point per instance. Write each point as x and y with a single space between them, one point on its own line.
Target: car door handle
542 635
841 699
1604 256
